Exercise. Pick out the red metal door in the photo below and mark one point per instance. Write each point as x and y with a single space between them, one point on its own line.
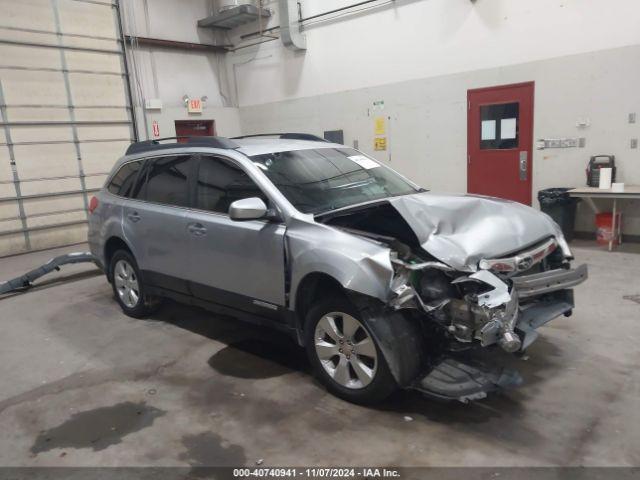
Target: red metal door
499 141
194 128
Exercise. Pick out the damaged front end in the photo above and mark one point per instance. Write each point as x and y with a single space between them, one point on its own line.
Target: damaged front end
476 274
502 303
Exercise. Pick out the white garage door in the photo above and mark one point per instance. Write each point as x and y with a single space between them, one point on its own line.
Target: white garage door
65 116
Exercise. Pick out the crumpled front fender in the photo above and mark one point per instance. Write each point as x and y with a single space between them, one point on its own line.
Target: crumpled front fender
358 264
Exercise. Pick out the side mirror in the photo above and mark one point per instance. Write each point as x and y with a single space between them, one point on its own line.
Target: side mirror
247 209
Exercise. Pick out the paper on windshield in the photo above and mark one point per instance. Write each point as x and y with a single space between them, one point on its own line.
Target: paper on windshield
364 162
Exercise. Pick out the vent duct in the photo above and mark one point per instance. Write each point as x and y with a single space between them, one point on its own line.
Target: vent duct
290 32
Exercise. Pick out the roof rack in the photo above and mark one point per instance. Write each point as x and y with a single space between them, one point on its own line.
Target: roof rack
200 141
287 136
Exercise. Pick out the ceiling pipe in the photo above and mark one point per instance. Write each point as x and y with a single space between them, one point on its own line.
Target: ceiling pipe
164 43
290 28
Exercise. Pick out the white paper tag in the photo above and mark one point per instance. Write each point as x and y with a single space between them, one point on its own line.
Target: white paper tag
364 162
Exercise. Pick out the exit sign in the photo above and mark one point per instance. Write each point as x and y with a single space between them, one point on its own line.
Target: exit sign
194 106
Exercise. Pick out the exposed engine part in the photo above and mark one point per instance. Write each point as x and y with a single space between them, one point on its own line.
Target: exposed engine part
467 318
411 291
435 285
482 306
490 316
508 339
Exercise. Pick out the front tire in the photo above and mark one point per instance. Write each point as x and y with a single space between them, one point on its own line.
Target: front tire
128 287
345 355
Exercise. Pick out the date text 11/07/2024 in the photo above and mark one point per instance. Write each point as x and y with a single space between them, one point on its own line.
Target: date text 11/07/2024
312 473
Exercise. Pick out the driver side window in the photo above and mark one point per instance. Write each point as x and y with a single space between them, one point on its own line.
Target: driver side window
220 183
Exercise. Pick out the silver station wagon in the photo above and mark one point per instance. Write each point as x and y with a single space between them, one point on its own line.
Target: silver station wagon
385 284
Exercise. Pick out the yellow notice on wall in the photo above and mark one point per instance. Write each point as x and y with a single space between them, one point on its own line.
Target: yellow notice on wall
380 143
379 126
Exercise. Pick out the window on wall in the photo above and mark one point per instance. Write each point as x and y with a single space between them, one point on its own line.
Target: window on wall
167 180
499 126
220 183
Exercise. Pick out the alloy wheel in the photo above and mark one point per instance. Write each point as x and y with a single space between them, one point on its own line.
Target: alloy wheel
346 350
126 282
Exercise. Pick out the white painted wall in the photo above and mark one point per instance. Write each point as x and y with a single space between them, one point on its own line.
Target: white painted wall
170 74
421 57
411 39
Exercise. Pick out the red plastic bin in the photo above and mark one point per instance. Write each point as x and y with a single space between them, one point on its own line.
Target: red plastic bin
604 233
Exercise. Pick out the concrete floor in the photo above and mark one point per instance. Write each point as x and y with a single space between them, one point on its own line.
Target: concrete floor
82 384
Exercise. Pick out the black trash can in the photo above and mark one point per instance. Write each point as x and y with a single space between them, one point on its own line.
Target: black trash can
557 203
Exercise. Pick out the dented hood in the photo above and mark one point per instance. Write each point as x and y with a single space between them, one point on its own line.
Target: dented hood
460 230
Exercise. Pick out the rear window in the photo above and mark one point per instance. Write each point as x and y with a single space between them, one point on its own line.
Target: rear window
121 182
167 180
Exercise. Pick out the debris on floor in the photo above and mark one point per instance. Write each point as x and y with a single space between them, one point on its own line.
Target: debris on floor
633 298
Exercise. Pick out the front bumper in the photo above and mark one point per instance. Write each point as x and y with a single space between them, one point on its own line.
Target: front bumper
556 298
550 281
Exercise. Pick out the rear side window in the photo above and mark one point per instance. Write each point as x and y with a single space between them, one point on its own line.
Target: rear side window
221 183
167 180
121 182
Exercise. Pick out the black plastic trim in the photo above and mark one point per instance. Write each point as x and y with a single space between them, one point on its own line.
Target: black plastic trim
155 145
215 296
286 136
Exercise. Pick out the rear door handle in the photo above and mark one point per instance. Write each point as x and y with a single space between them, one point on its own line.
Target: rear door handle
133 216
196 229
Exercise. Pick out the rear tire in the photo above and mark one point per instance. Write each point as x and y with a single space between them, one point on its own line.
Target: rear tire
128 288
345 355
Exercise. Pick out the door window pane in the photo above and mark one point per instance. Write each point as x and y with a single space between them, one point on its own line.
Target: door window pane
167 180
488 130
499 126
221 183
121 182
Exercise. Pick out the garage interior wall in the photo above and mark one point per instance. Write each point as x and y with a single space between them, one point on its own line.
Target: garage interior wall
65 117
168 74
421 65
66 114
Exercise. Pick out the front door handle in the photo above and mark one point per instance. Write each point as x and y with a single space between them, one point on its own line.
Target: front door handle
197 229
523 165
133 216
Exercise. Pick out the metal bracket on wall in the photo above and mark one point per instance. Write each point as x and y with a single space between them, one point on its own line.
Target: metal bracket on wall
543 143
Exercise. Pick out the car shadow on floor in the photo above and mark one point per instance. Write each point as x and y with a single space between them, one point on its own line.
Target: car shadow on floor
255 352
251 351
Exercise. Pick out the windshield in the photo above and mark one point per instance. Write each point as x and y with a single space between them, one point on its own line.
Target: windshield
324 179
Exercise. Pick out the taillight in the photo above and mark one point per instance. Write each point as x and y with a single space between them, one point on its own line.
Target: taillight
93 204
